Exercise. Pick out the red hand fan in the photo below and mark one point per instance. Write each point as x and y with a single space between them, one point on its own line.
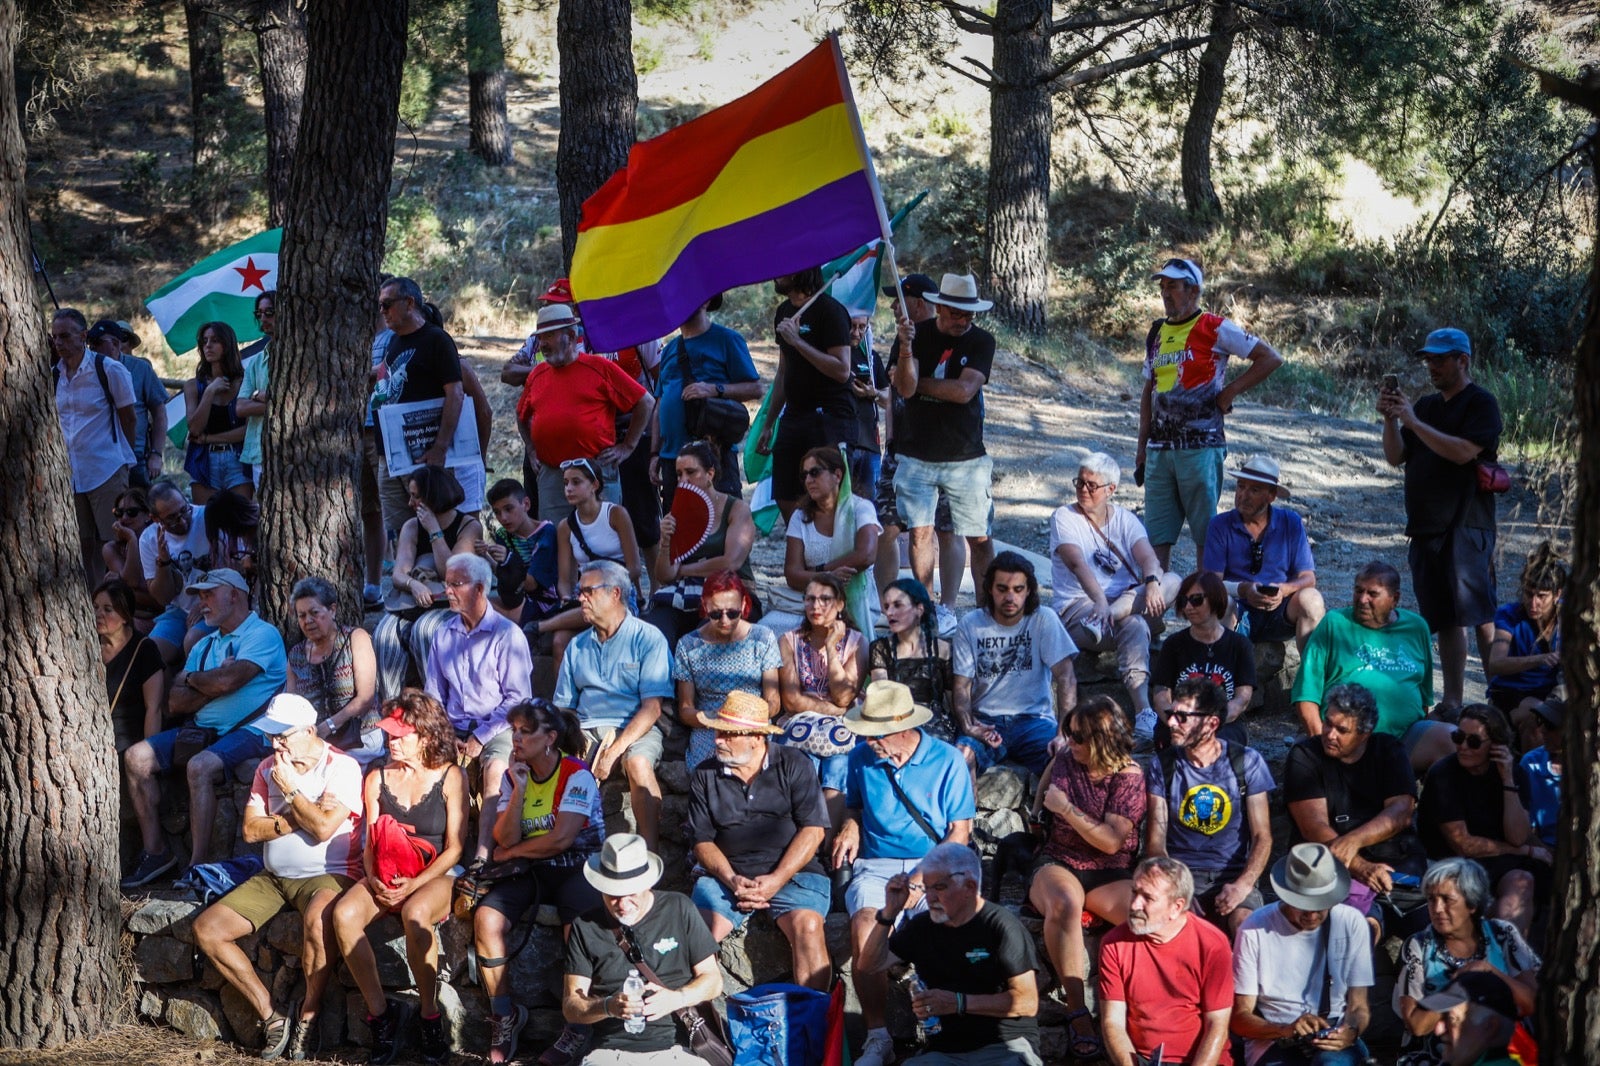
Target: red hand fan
692 510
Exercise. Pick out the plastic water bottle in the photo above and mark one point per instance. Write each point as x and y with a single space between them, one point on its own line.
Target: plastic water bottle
928 1026
633 988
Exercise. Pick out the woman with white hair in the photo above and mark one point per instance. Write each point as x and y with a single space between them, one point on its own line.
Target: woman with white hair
1110 588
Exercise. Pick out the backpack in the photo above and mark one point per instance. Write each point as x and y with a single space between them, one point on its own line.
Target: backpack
105 385
1168 756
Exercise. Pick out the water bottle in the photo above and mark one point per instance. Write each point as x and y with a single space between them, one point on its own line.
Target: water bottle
633 988
928 1026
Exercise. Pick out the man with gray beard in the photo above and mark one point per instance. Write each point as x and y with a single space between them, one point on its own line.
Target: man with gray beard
756 818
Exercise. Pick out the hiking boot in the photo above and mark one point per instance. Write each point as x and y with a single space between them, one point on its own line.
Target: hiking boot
148 868
274 1036
302 1040
503 1030
434 1043
568 1047
386 1031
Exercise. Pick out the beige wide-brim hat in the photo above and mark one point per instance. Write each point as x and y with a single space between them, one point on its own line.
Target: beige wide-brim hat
625 865
887 709
1262 468
741 712
556 316
1310 878
961 292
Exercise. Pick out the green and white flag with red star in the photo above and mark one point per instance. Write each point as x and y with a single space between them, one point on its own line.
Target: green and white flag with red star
220 288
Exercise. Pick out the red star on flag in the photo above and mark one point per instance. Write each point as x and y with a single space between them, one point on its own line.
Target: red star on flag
252 275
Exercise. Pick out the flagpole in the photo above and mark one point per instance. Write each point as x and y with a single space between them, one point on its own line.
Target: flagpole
872 173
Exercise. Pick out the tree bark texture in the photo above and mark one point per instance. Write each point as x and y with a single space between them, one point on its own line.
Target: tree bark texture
281 48
1569 1002
332 250
59 916
1211 78
599 102
486 84
208 86
1019 164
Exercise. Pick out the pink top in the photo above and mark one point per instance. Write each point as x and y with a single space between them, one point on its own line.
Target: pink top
1122 793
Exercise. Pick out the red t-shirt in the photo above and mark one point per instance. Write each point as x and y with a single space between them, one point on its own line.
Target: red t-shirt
1167 987
572 411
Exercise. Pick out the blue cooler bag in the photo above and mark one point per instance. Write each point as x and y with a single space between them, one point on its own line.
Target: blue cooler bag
778 1025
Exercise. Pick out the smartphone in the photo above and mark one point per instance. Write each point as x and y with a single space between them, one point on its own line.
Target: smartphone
1391 383
1267 590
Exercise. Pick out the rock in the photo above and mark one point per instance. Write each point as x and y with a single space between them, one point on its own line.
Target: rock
283 931
756 955
675 820
674 778
152 1004
163 960
536 971
196 1014
466 1017
1001 788
838 934
242 1017
992 827
169 917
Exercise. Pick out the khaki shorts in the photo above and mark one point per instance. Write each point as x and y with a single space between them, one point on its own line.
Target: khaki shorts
648 747
265 894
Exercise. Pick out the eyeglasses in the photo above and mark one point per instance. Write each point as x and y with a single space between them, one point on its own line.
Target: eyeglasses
1085 485
1258 552
590 590
813 471
267 312
129 512
1195 599
582 464
727 614
176 518
1471 740
459 584
812 601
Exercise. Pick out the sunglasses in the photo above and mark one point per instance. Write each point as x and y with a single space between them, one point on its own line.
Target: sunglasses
130 512
1105 560
386 304
1258 552
1471 740
1184 716
1079 738
1195 599
727 614
267 312
813 472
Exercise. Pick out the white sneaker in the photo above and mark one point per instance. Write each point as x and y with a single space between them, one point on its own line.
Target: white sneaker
946 619
1144 730
878 1050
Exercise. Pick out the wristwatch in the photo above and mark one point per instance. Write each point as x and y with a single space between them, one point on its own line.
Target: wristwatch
886 922
1149 578
720 391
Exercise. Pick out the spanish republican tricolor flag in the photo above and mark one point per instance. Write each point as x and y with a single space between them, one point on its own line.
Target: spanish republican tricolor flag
776 182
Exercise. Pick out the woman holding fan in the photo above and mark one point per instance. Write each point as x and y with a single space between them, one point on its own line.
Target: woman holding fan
707 531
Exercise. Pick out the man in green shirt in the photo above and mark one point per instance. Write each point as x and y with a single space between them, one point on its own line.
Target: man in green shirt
252 402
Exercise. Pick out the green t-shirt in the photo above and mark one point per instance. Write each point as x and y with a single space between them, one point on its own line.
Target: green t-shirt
1394 663
255 379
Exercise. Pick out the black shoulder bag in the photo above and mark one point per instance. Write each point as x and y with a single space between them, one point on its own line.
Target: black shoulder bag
714 417
708 1037
911 808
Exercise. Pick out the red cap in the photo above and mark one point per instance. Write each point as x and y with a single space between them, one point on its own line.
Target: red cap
396 726
559 292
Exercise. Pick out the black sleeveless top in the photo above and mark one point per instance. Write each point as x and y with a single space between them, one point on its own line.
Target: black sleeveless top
427 820
424 539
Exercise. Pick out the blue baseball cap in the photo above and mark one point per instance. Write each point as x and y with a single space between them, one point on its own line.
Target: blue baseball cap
1447 341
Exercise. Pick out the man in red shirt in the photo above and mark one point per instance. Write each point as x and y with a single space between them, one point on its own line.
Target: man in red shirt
1166 980
569 410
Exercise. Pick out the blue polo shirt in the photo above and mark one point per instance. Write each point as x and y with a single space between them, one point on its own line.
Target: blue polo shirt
605 681
1285 551
719 356
935 778
252 641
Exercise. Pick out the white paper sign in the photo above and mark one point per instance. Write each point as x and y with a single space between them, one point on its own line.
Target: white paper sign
409 428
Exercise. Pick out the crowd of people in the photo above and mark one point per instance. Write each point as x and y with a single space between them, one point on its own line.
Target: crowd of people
836 726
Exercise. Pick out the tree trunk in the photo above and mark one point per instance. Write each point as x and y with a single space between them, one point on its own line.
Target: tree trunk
332 250
486 84
1018 243
281 46
1211 78
59 917
208 88
1569 1012
599 100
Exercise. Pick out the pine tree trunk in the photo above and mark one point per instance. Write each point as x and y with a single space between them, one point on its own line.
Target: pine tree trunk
281 46
599 100
1019 165
59 916
486 84
208 87
1211 79
332 250
1569 1013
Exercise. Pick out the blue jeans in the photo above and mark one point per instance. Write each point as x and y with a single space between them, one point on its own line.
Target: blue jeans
1293 1056
804 892
1025 739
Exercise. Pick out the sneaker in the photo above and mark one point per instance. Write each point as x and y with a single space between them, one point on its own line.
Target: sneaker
302 1040
568 1047
878 1050
435 1045
386 1031
946 619
503 1030
148 868
1144 730
371 597
274 1036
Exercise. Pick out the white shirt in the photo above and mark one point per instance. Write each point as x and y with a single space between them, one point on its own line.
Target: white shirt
818 550
86 422
1281 966
1069 526
188 553
299 854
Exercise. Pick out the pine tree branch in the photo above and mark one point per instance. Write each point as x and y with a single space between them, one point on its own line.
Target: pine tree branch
1089 20
1059 79
987 83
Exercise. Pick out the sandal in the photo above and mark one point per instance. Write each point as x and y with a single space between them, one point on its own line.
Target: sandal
1085 1047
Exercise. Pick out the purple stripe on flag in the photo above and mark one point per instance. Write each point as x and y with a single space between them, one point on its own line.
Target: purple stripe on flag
797 236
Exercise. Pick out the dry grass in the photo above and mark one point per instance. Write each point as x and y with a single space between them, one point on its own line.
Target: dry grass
133 1045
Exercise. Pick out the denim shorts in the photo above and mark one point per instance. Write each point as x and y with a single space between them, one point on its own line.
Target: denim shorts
1182 483
804 892
1025 739
967 484
869 878
224 470
233 747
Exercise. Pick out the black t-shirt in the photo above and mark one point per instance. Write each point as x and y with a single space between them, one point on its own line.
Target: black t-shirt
420 365
1450 794
753 825
1355 792
1435 486
868 367
673 939
128 670
826 324
1230 661
975 958
900 421
944 432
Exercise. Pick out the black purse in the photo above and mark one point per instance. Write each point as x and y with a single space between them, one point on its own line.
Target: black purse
714 417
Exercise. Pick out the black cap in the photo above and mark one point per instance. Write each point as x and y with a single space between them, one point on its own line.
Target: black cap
106 327
1552 712
1474 986
915 285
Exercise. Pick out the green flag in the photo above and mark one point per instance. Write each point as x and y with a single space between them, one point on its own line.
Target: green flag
220 288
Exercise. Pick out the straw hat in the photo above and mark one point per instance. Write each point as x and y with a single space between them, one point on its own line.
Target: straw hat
887 709
741 712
